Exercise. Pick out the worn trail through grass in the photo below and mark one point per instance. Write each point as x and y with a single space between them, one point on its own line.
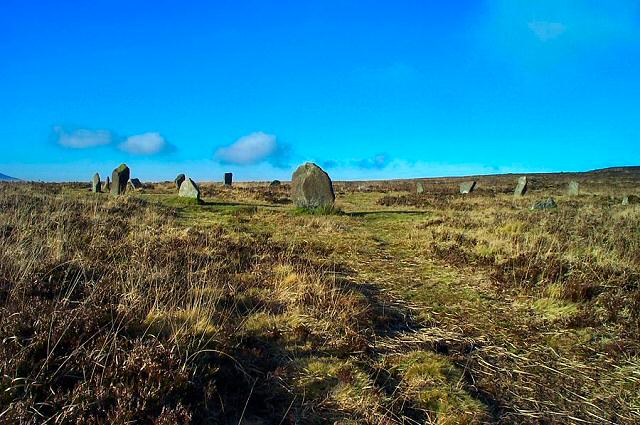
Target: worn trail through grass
497 337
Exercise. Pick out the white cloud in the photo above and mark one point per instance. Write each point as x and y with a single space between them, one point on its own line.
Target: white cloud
252 149
145 144
524 29
547 30
82 138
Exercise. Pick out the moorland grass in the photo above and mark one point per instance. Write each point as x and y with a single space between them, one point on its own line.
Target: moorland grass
435 308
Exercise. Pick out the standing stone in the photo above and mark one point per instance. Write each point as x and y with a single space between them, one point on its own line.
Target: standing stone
311 187
467 187
96 184
545 204
274 183
228 179
179 179
625 200
119 179
107 186
521 188
574 188
419 188
189 189
136 184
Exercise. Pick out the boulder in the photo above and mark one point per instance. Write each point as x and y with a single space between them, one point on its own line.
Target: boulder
467 187
419 188
573 189
119 179
228 179
178 180
135 184
630 199
96 184
311 187
189 189
545 204
521 188
275 183
106 188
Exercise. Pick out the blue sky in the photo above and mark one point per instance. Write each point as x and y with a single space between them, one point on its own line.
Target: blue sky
368 90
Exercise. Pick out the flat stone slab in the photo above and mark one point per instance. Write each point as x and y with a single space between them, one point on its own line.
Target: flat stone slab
120 179
96 184
189 189
573 189
178 180
521 187
467 187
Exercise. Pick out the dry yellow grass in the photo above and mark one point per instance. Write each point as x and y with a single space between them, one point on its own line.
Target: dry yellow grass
436 308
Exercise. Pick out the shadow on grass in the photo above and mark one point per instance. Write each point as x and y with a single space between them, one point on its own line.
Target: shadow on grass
388 212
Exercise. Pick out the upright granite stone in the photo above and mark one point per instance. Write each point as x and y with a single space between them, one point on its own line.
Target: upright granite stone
107 186
545 204
96 184
311 187
135 184
521 188
178 180
119 179
419 188
574 188
228 179
467 187
189 189
625 200
275 183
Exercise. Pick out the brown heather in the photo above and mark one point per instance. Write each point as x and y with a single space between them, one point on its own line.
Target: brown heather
395 308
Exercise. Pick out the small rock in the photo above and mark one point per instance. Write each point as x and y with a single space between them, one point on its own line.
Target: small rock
96 184
521 188
119 179
467 187
189 189
419 188
135 184
545 204
625 200
228 179
275 183
311 187
178 180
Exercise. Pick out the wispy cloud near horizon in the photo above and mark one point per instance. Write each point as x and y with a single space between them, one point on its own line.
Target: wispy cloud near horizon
377 162
82 138
145 144
252 149
149 144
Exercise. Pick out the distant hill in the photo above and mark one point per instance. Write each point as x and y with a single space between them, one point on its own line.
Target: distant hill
4 178
625 170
